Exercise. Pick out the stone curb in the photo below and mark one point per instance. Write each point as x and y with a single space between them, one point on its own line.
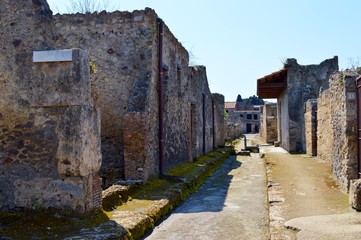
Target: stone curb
139 215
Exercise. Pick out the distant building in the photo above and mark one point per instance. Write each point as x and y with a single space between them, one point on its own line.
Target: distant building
293 86
245 115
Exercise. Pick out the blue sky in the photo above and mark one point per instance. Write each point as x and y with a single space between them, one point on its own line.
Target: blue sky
240 41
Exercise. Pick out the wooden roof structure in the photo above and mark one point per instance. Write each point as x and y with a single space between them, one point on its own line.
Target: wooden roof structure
272 85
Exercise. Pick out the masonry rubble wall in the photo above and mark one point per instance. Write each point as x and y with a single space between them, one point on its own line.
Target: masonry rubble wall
123 48
337 124
177 98
304 82
219 121
311 126
49 129
268 123
201 99
126 90
324 126
233 131
55 101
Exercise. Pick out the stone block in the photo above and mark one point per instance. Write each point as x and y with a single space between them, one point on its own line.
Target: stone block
355 194
78 151
61 83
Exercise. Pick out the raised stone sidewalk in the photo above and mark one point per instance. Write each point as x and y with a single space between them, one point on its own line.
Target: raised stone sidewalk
144 208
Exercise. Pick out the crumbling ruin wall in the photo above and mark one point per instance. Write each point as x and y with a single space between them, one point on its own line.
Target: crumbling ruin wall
177 90
303 83
123 48
337 124
268 123
324 126
311 127
283 120
49 129
219 122
233 131
201 99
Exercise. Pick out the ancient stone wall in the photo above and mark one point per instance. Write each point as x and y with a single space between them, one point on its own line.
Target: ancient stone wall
303 83
219 122
50 130
311 127
283 120
177 92
201 99
324 126
123 48
49 137
268 123
337 124
233 131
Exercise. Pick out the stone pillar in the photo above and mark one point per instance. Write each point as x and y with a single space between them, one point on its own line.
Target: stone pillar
219 122
311 127
355 194
269 130
52 158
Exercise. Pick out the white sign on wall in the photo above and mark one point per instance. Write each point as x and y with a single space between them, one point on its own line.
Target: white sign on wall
351 96
53 56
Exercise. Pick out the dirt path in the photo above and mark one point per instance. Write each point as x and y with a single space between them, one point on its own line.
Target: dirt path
299 186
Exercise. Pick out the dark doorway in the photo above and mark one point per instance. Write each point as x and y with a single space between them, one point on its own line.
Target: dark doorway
249 128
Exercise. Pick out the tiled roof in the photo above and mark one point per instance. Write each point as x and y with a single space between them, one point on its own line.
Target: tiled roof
230 105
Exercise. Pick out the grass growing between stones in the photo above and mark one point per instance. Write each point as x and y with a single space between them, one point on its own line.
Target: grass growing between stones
157 198
131 220
41 225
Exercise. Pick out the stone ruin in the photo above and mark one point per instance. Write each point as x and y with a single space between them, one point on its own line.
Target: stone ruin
331 133
90 99
268 123
293 86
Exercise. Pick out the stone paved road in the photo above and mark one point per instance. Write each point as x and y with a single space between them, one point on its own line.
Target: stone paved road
232 204
303 195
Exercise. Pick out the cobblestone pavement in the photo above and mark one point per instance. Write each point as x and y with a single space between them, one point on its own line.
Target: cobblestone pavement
232 204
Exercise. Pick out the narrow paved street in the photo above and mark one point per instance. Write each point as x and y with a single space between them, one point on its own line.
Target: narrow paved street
302 186
232 204
240 202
